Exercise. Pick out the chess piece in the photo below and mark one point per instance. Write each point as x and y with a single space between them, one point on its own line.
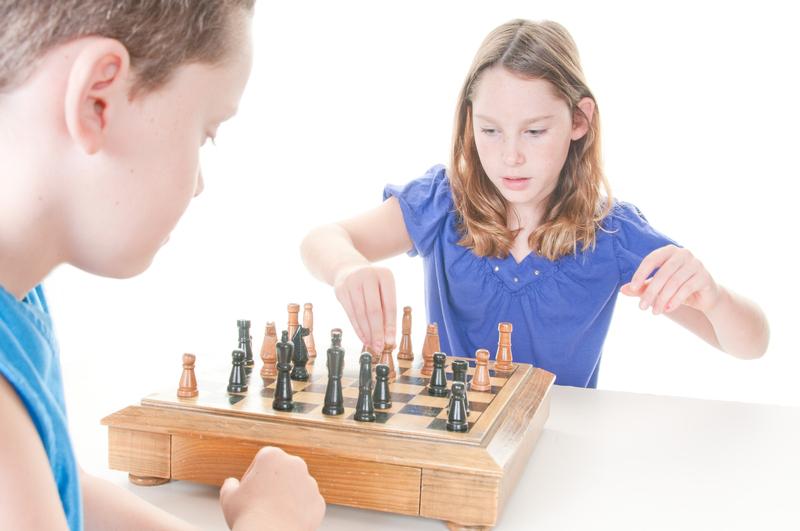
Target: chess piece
365 410
268 354
237 383
480 380
405 352
300 357
437 386
334 403
376 357
503 358
430 346
382 397
456 409
386 359
282 400
308 322
460 368
187 388
246 343
291 328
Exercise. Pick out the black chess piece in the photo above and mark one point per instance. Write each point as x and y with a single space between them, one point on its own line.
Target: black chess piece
457 409
282 400
365 410
246 343
437 385
237 383
334 403
460 375
382 398
300 357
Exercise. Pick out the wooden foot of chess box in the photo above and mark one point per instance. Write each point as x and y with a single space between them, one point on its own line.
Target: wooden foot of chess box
405 462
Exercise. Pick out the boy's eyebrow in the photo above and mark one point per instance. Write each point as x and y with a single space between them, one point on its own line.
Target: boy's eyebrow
527 121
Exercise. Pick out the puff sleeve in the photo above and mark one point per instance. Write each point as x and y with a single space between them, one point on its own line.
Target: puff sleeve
634 239
425 203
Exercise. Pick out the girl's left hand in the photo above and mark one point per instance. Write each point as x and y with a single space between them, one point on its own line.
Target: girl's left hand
681 279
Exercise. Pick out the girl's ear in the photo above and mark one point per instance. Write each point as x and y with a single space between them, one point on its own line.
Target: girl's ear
581 121
96 90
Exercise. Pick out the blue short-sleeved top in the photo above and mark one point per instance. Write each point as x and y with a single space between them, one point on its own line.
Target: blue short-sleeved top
29 362
560 310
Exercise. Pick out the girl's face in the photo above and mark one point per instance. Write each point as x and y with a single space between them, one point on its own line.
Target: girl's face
522 132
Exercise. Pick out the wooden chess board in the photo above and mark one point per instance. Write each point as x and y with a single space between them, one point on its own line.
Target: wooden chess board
405 462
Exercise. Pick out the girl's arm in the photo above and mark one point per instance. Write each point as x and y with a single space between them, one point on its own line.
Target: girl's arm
341 254
684 290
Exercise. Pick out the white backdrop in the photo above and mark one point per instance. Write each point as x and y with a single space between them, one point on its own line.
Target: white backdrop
700 120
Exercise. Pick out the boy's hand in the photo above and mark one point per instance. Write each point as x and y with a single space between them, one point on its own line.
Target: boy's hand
681 279
367 294
275 492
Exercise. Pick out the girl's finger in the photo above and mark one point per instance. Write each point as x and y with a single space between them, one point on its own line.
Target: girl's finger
389 304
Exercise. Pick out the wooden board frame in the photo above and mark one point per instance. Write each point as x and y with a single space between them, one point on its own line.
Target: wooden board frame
464 484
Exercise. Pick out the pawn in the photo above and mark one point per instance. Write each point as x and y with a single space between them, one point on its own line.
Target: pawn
382 397
437 386
268 352
237 383
430 346
187 388
460 375
480 380
404 352
282 400
457 410
386 359
365 410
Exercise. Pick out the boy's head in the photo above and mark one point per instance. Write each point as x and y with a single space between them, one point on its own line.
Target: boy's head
104 105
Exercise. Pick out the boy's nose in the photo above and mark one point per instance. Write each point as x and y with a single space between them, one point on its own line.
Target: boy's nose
198 188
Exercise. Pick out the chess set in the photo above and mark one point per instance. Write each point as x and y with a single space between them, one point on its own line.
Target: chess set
430 435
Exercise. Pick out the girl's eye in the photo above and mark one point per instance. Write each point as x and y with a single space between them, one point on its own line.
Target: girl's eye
536 132
488 131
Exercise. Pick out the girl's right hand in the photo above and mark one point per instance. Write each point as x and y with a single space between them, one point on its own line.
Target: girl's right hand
367 294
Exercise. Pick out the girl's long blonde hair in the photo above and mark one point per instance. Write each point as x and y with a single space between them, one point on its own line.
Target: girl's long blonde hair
574 209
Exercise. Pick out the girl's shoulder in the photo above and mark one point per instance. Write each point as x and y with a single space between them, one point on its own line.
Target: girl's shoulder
427 204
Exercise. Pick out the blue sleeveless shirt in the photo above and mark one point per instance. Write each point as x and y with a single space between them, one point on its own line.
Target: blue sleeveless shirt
560 310
29 362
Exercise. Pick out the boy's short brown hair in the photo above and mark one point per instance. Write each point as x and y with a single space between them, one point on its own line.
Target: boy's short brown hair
160 35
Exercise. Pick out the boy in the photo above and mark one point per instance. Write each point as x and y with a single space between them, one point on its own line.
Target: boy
103 107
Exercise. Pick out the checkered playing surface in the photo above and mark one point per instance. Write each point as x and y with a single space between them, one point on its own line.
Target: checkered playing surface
414 412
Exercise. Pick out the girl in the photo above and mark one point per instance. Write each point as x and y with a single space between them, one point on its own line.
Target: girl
522 228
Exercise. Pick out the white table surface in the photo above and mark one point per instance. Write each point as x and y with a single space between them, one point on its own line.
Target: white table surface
608 460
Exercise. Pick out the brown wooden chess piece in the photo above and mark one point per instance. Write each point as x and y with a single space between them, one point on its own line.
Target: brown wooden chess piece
405 352
268 351
308 322
430 346
375 355
386 359
480 380
294 323
187 388
503 358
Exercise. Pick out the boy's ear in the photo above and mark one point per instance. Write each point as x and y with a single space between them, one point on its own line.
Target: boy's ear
96 90
582 121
